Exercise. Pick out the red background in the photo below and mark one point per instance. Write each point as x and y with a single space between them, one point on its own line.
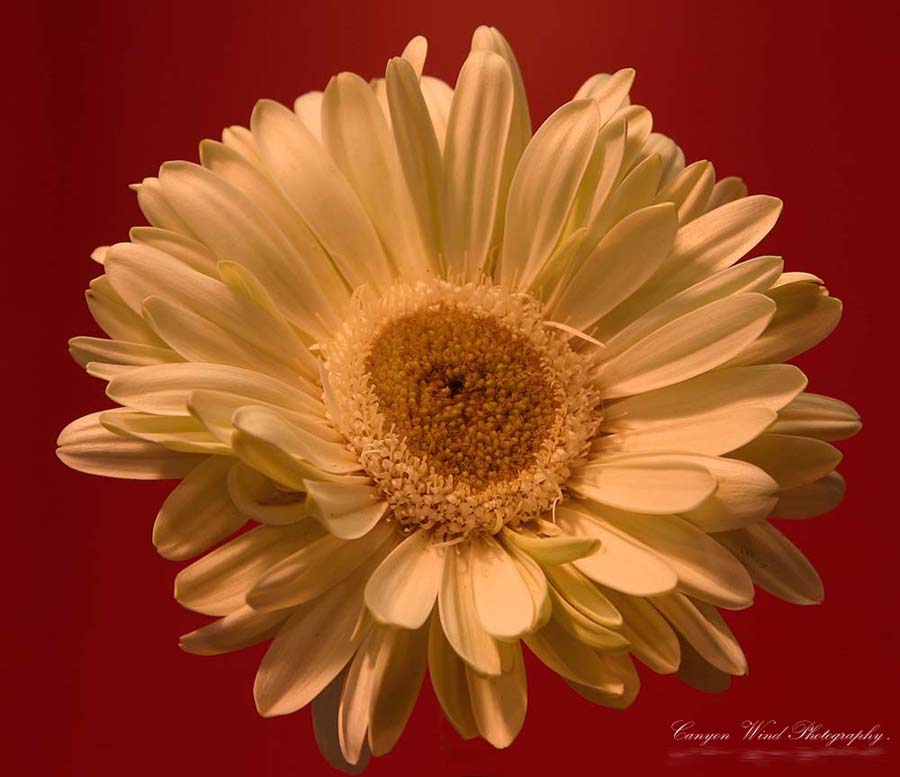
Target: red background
793 96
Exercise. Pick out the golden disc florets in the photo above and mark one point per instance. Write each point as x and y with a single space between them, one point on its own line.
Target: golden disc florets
463 407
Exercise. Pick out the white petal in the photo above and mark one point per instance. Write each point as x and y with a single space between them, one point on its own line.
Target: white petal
713 433
325 727
311 648
725 191
360 142
689 190
805 316
87 446
320 194
499 703
316 568
636 191
198 513
792 461
402 591
157 209
705 629
477 135
448 677
438 97
695 343
652 639
812 415
553 550
619 563
456 605
572 659
217 583
583 595
650 483
502 599
98 349
115 317
625 258
420 154
237 630
185 249
308 108
258 497
811 500
703 570
609 91
775 563
347 511
543 189
771 386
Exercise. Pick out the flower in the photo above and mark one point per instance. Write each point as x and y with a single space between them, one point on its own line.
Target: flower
471 388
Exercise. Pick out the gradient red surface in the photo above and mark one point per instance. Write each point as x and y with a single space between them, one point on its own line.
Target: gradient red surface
792 96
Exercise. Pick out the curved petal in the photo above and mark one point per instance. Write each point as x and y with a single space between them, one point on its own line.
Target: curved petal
499 703
239 629
811 500
812 415
502 599
346 510
791 461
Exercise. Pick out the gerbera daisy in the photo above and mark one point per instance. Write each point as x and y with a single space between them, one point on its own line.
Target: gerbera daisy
471 388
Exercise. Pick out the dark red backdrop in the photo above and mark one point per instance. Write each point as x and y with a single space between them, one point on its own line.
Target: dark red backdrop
790 95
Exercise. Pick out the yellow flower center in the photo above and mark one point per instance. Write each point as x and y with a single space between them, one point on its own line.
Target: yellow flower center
468 394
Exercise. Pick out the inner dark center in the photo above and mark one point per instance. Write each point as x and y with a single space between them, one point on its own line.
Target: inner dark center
469 395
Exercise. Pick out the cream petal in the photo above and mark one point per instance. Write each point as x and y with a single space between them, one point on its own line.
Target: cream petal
265 440
618 563
448 677
639 123
217 584
775 563
652 639
671 156
240 139
473 186
543 190
403 590
623 667
87 446
420 154
356 694
625 258
689 190
98 349
347 511
712 433
536 581
236 229
725 191
601 179
699 673
791 461
703 627
610 91
805 316
326 728
502 599
771 386
572 659
811 500
745 494
166 388
115 317
438 97
553 550
657 483
260 498
186 250
314 644
397 686
359 140
499 703
635 192
216 410
813 415
157 209
584 629
308 108
316 568
456 606
703 570
237 630
177 433
198 513
321 195
583 595
692 344
640 315
247 177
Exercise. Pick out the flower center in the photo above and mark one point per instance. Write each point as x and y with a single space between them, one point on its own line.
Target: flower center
466 411
468 394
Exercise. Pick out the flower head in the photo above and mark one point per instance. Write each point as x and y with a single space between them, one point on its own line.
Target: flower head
471 388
